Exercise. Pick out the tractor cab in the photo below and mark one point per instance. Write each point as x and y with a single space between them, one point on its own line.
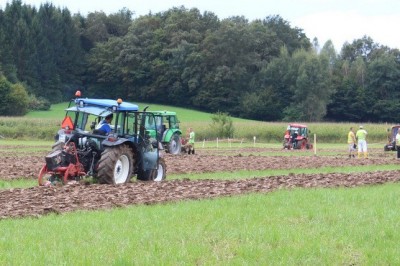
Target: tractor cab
167 130
391 138
296 137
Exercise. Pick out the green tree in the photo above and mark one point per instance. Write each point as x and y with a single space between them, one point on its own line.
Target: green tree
5 91
18 100
363 48
273 94
382 88
222 125
312 89
13 98
292 38
348 103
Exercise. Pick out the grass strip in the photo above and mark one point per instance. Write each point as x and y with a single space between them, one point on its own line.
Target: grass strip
342 226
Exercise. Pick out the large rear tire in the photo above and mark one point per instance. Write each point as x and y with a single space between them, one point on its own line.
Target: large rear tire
115 165
156 174
175 144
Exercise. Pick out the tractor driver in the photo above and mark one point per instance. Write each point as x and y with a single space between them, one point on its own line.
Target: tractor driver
294 139
104 127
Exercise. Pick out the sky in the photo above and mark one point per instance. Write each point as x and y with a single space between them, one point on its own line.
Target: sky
337 20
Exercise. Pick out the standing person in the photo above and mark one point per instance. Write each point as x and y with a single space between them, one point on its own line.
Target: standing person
361 136
351 141
398 143
191 140
294 139
104 127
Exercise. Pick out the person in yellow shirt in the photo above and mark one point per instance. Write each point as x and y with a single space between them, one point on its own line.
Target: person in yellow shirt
361 137
351 141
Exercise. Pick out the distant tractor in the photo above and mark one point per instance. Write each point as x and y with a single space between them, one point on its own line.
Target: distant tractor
391 138
168 131
297 137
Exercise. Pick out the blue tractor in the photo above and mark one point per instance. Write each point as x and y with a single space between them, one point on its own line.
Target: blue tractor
81 150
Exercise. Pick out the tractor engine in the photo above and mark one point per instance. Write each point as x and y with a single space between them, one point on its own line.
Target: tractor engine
88 154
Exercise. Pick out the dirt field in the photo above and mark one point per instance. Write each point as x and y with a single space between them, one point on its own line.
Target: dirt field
39 201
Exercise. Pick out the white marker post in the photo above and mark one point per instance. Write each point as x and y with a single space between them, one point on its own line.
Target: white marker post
315 144
254 141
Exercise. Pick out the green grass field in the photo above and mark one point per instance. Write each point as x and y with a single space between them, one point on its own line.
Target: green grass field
356 226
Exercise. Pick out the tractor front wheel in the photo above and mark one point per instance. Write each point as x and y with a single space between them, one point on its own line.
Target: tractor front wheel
115 165
158 174
175 144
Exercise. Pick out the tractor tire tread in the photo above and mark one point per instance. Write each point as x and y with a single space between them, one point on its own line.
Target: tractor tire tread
108 160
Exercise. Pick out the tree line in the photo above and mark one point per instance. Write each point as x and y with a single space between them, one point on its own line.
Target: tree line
262 69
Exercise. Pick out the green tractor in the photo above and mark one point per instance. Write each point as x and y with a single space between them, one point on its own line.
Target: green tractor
168 132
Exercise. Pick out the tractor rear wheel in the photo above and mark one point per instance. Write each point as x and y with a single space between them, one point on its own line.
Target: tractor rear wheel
115 165
155 174
175 144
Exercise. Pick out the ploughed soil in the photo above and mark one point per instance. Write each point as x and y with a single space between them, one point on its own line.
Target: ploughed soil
38 201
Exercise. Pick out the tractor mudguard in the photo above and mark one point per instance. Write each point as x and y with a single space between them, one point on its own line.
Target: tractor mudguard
169 133
107 143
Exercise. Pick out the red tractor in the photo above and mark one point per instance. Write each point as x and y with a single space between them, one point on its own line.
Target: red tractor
297 137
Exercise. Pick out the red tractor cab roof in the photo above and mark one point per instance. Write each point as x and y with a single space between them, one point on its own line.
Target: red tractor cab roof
297 125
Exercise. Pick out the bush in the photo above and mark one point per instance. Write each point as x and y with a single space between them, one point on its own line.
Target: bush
222 125
38 103
13 98
18 100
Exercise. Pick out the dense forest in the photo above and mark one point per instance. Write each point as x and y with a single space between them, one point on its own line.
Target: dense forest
262 69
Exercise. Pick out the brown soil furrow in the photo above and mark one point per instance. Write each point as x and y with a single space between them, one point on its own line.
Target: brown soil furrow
38 201
14 167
